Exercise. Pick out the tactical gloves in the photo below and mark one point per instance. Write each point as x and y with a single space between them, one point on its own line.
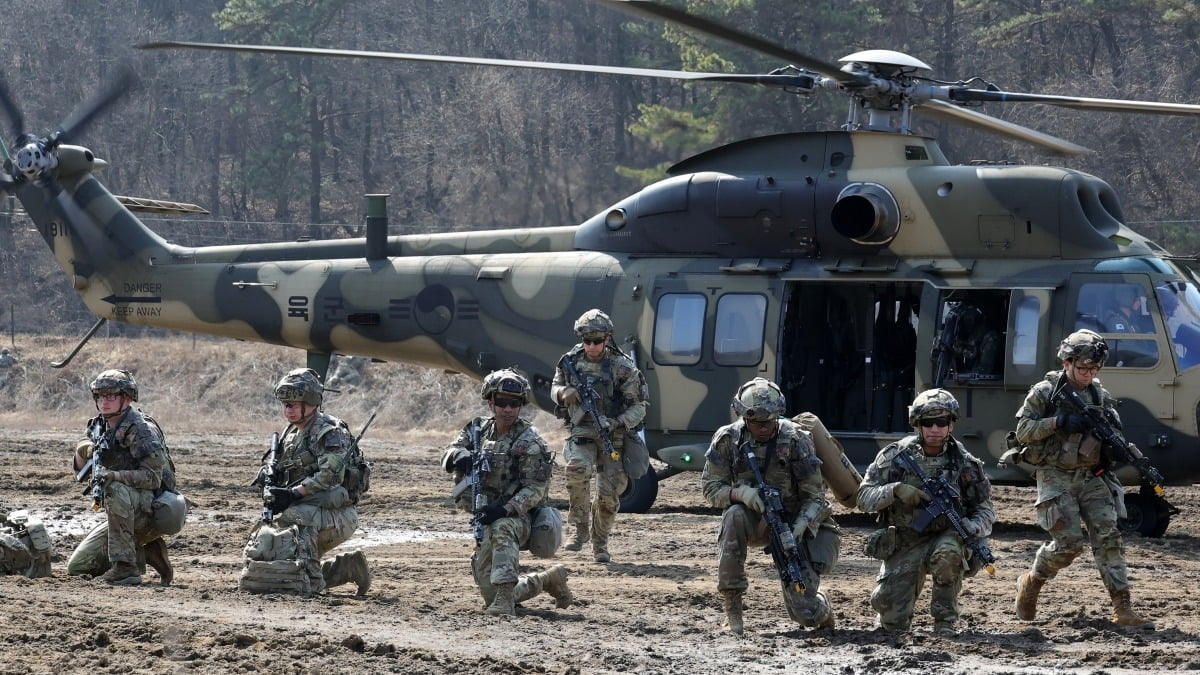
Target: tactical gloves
281 498
492 513
747 495
1071 423
463 464
909 495
800 528
569 396
972 527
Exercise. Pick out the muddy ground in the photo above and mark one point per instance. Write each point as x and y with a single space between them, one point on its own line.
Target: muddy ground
654 609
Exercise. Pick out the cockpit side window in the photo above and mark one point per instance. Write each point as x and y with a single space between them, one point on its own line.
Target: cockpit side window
1119 310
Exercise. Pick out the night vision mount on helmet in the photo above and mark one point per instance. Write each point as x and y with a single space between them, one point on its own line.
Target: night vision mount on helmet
507 381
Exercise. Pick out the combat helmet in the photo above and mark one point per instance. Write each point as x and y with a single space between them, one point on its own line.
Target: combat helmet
932 403
114 381
1084 346
593 322
506 381
300 385
759 400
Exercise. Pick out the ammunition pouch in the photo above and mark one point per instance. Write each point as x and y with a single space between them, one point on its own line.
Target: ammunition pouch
545 535
1018 453
881 543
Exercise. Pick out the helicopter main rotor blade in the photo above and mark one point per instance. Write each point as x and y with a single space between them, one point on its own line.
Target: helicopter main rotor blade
1109 104
956 114
663 13
83 116
13 112
801 81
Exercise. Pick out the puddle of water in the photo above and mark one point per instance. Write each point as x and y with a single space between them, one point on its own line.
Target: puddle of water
383 537
82 523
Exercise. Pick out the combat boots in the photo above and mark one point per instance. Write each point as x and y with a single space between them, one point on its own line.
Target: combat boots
156 557
600 551
345 568
1028 586
554 582
733 611
122 574
503 602
582 534
1123 613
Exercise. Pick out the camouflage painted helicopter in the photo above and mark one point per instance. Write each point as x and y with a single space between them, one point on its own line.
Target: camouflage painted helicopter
854 267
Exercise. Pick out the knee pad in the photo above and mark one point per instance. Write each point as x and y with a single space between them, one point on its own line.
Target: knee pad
946 567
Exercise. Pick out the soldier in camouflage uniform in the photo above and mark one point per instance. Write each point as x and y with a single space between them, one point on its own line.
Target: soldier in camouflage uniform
24 545
511 491
1069 491
897 495
134 470
314 450
788 461
623 403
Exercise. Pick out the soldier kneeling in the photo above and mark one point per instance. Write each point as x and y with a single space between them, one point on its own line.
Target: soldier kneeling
310 503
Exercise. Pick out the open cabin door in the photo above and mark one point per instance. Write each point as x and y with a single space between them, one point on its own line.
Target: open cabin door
848 353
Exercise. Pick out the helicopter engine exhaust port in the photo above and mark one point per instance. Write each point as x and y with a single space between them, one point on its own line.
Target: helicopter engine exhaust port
866 213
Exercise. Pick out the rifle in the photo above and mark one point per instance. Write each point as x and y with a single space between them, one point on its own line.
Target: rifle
480 466
941 503
944 350
790 561
266 478
587 403
1100 424
94 470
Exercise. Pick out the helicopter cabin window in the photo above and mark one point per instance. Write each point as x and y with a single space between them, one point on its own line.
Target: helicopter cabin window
970 346
738 338
679 328
1029 309
1180 304
1117 311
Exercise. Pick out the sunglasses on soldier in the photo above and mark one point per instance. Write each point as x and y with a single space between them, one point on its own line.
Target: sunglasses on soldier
593 341
935 422
506 402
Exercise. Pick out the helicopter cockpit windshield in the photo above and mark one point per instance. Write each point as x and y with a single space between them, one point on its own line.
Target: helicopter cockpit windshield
1180 302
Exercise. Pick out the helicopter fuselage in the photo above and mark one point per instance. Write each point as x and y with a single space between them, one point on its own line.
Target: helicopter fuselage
830 262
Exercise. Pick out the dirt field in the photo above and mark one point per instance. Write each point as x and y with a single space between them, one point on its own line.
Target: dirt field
654 609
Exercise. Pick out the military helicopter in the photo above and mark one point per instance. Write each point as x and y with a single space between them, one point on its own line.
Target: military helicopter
854 267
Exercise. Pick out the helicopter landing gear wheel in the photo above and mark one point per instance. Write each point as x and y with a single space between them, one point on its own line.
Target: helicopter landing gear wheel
639 495
1149 514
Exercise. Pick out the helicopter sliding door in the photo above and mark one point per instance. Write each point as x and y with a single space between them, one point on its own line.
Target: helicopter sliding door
848 352
706 335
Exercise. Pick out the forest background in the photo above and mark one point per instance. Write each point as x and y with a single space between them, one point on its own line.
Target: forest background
285 147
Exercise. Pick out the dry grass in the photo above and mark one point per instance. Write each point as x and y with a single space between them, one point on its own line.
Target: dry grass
218 385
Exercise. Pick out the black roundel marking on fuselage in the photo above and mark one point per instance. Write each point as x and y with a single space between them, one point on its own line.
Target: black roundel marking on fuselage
434 308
